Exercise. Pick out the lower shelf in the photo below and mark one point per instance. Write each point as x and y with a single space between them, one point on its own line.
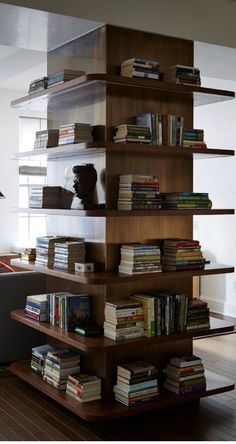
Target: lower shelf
107 410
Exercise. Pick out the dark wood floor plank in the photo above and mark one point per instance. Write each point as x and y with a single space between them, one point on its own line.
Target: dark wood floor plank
66 421
32 418
11 429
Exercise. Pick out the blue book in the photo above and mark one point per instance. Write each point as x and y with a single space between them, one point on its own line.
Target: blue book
77 311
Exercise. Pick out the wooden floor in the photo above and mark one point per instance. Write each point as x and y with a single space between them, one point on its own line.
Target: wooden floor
26 415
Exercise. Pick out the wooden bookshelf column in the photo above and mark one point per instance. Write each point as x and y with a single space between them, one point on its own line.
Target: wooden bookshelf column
104 99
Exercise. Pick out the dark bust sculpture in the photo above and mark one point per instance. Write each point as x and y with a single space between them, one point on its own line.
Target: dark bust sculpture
84 184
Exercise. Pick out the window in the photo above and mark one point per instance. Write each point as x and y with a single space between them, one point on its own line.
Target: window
30 225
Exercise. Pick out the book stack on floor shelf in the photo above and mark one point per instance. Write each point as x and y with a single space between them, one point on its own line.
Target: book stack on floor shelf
140 258
198 315
84 387
194 138
182 254
75 133
38 357
123 320
138 67
132 133
67 253
58 365
185 374
185 200
136 383
138 192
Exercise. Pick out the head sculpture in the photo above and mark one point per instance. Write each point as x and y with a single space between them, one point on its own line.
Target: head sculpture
84 183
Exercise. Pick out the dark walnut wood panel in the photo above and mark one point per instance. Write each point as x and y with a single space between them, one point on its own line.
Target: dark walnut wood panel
201 95
103 278
107 410
103 344
119 213
82 149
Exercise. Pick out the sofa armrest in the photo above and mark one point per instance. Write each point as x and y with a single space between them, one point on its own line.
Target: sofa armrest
16 339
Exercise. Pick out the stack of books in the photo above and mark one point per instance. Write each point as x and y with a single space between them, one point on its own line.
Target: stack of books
46 138
136 383
138 192
36 307
185 374
38 358
58 365
194 138
187 75
75 133
140 258
29 254
166 129
63 76
182 254
165 312
139 67
185 200
123 320
132 133
67 253
84 387
38 85
45 197
197 315
45 249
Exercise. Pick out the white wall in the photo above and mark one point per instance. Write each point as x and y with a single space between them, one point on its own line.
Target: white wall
9 137
218 177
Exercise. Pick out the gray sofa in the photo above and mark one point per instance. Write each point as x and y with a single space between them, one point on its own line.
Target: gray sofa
16 339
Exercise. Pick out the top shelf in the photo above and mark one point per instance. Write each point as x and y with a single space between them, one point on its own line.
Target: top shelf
201 95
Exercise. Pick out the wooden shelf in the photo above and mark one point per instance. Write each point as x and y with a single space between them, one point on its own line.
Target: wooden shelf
119 213
107 410
103 278
83 149
201 95
103 344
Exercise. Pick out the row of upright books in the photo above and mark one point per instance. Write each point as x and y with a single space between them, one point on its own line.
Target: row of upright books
54 79
61 368
60 251
161 130
141 67
185 374
64 310
154 314
66 134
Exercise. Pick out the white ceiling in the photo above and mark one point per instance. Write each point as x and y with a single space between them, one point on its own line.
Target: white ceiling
26 35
